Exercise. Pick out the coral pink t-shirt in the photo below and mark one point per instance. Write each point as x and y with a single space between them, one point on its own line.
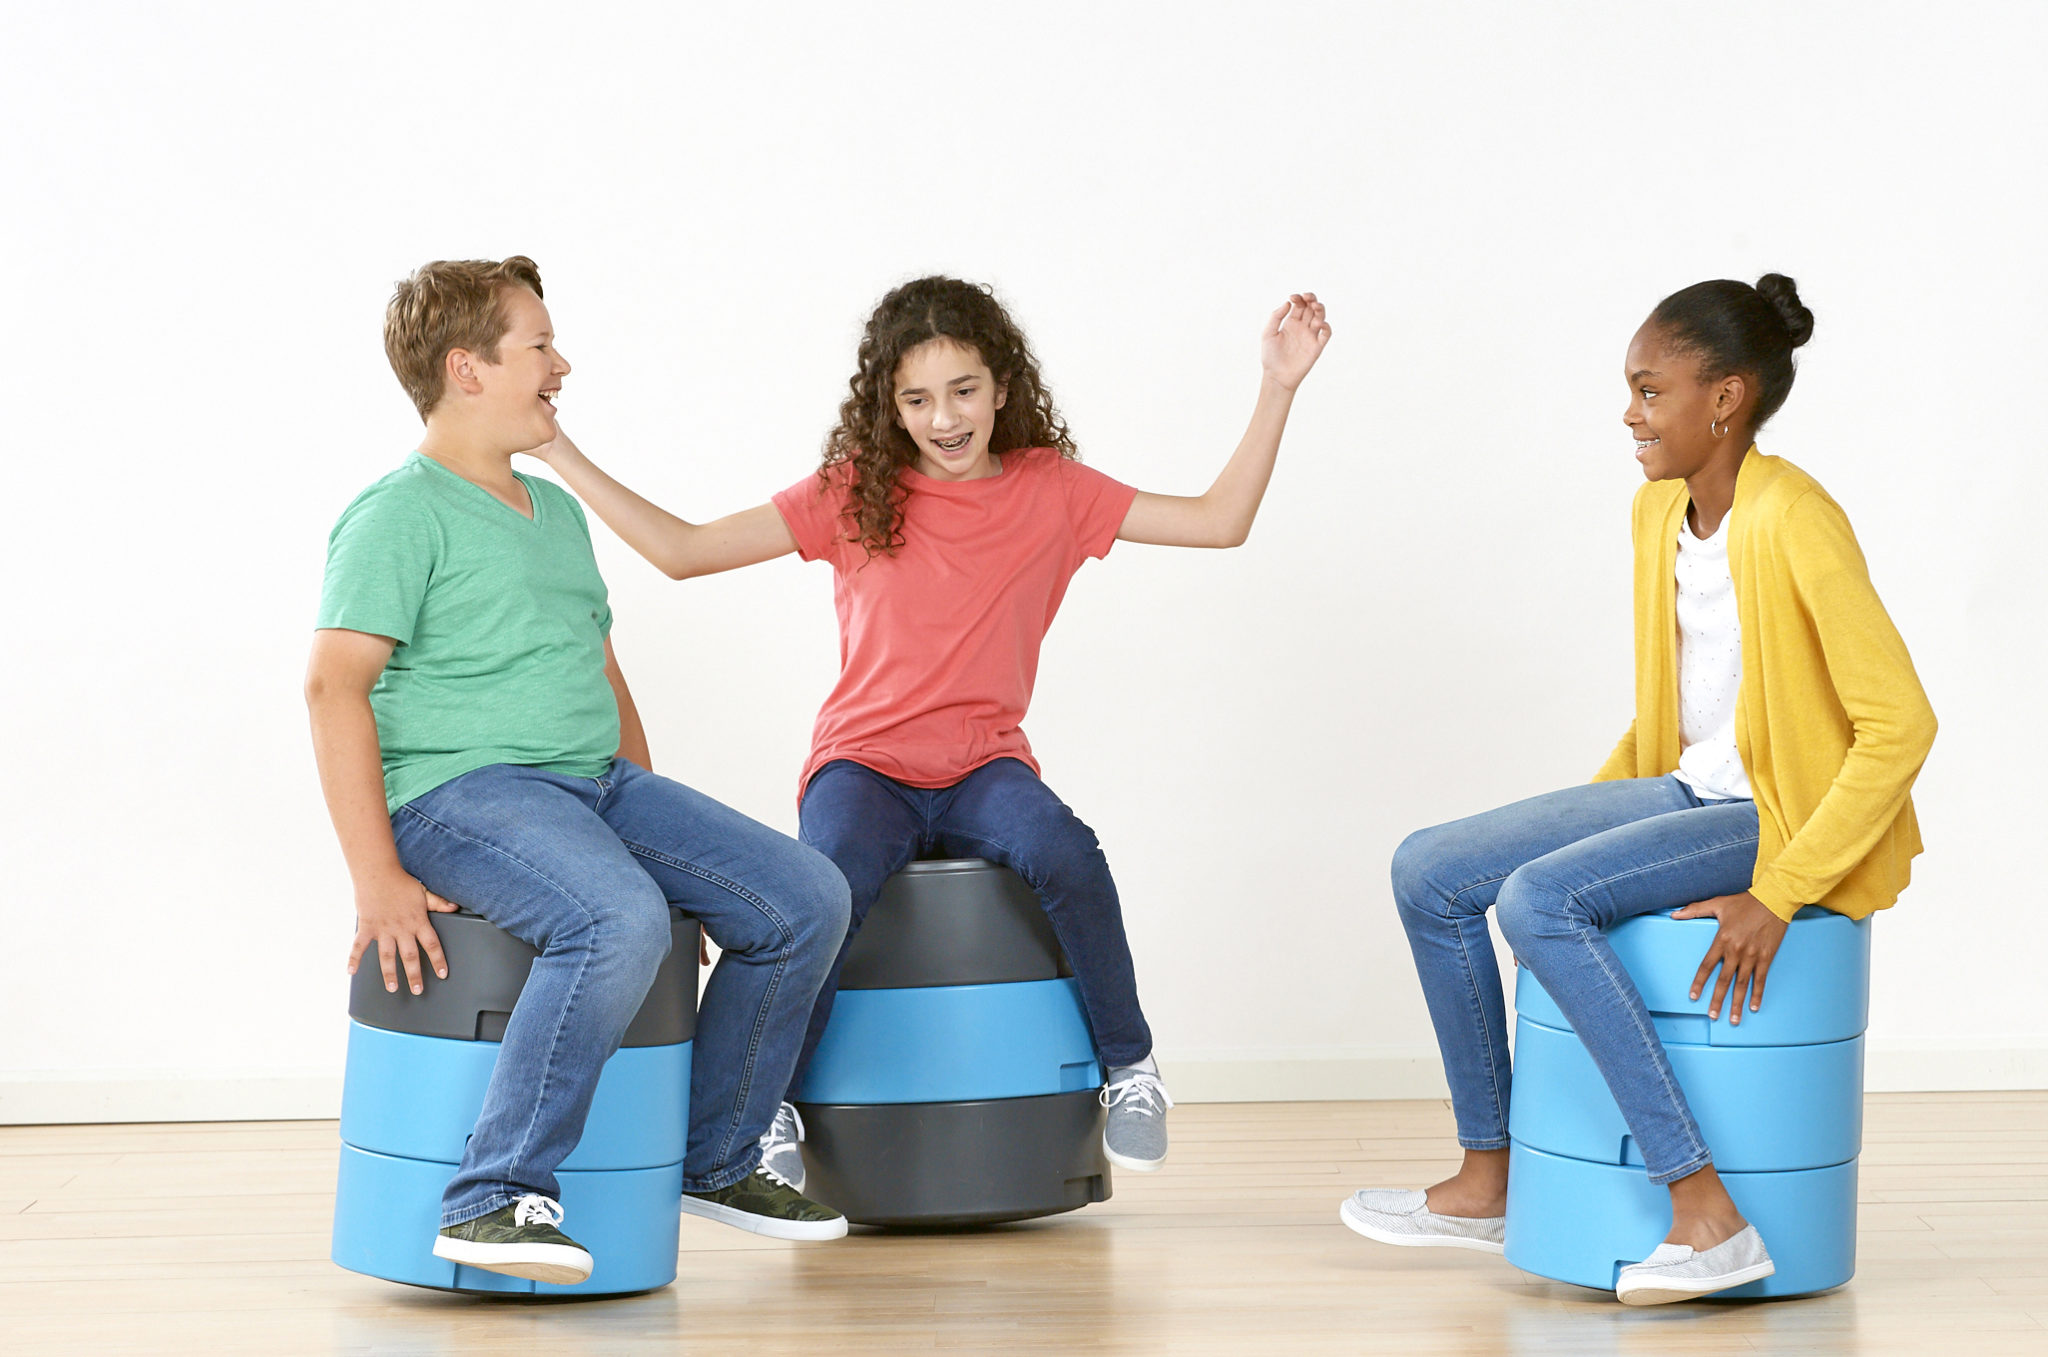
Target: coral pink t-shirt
938 644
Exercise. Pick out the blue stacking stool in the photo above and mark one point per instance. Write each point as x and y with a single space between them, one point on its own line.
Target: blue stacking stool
1779 1101
956 1083
417 1069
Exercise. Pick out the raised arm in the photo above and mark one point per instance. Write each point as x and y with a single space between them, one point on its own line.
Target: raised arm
677 548
1222 516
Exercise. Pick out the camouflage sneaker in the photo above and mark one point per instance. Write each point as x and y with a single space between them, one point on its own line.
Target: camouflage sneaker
519 1240
764 1203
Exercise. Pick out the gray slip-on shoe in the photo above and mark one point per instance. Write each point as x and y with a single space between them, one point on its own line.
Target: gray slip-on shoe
1402 1216
1676 1272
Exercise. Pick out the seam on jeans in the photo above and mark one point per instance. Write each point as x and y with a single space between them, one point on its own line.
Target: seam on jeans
1638 1012
782 960
1691 1166
1640 868
576 985
1500 1113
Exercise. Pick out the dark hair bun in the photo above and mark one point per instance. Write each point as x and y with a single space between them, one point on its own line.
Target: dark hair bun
1783 294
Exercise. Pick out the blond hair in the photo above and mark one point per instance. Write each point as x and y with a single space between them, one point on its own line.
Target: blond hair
449 304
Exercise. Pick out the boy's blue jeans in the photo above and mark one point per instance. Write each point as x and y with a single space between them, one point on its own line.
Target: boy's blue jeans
584 870
873 826
1557 870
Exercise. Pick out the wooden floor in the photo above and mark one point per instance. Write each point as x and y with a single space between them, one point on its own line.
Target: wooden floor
212 1239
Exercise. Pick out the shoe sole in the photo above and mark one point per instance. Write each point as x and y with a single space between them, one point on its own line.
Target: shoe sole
1124 1161
1664 1291
1412 1241
556 1264
806 1230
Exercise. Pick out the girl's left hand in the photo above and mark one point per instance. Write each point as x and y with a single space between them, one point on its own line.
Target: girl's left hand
1294 338
1743 947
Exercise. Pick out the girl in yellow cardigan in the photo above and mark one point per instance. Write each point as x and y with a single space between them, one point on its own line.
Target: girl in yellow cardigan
1779 726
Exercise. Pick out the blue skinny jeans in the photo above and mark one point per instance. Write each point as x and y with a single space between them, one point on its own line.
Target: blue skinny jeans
584 870
1557 870
873 826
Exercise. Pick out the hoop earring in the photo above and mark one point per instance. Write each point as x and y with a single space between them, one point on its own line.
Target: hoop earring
1722 433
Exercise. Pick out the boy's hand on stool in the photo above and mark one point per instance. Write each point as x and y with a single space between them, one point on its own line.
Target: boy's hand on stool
1743 947
392 913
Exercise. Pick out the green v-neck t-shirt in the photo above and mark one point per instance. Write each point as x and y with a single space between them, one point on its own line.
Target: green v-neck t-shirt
500 621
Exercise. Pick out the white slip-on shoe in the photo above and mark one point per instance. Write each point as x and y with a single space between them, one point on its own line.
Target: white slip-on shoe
1402 1216
1677 1272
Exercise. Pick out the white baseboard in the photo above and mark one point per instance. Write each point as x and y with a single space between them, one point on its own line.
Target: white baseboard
117 1096
43 1098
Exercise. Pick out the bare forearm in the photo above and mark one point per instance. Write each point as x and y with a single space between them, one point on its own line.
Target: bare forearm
649 529
352 780
1232 502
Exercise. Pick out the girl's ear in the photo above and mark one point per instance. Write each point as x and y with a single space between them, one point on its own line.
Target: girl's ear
1729 395
1002 393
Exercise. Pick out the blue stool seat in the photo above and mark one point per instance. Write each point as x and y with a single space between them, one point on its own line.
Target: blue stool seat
1779 1100
418 1068
954 1043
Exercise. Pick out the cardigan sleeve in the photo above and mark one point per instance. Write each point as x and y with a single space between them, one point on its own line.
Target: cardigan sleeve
1622 762
1892 725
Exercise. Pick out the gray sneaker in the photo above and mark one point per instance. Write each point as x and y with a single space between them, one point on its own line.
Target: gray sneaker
1402 1216
779 1143
1677 1272
1134 1133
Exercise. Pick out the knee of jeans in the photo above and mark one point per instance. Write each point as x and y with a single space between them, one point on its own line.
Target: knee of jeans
814 901
635 928
1533 907
1414 877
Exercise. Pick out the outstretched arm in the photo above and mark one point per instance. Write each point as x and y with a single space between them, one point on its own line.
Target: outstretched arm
677 548
1222 517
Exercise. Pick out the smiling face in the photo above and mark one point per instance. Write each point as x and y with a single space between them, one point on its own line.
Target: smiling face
517 393
946 400
1672 413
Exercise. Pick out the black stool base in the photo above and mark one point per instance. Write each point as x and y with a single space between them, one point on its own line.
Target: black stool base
947 1164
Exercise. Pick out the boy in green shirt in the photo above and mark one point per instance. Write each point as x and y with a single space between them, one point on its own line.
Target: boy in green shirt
477 743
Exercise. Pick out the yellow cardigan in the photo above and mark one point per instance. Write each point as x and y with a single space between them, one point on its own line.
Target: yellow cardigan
1831 722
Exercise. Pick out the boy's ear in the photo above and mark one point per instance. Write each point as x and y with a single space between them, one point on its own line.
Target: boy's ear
460 369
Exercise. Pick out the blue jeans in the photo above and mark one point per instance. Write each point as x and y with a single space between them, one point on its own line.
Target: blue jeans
872 827
1557 870
584 870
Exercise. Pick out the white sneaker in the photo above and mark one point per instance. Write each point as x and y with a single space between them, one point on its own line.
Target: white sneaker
779 1152
1678 1272
1402 1216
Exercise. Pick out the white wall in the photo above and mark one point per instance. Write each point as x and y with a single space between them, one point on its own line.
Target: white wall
205 210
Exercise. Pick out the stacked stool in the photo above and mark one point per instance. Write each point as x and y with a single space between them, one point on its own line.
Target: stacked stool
956 1083
417 1069
1779 1101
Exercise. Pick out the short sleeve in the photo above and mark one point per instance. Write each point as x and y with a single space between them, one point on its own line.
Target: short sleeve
1096 505
813 512
379 559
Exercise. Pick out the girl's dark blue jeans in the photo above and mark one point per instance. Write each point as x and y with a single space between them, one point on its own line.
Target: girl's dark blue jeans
873 826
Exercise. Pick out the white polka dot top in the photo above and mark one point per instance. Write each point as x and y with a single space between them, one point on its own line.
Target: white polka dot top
1709 666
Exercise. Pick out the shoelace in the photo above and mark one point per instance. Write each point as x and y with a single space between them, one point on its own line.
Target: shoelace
767 1170
534 1209
788 1119
1145 1094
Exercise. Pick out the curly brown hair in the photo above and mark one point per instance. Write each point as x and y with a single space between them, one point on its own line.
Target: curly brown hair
874 446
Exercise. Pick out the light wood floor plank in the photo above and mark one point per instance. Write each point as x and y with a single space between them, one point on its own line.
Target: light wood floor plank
213 1239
